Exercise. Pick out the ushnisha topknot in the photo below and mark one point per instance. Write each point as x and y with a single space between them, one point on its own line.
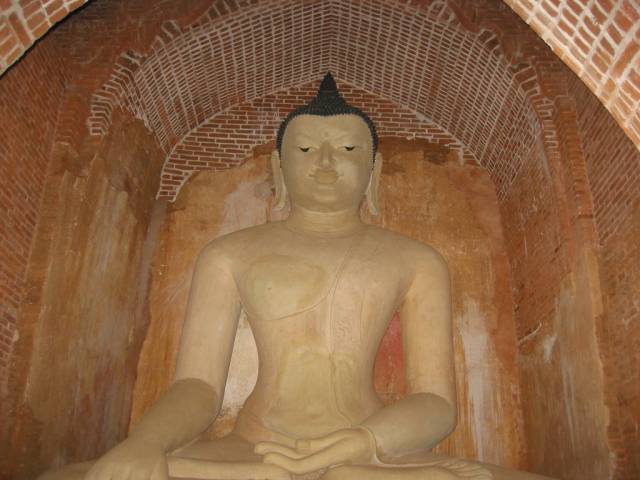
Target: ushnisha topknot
326 103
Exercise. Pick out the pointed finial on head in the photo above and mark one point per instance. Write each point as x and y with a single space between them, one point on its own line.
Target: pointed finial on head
328 84
328 100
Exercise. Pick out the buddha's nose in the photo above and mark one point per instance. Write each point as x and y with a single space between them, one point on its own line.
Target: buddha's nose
326 160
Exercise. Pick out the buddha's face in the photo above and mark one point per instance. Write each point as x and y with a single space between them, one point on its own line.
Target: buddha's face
327 161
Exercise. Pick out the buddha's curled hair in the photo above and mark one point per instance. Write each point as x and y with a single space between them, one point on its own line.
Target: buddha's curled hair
326 103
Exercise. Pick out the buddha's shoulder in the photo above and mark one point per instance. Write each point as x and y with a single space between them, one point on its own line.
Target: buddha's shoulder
414 252
232 245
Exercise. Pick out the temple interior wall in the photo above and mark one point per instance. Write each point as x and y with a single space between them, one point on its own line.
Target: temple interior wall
555 291
613 166
29 105
85 306
564 356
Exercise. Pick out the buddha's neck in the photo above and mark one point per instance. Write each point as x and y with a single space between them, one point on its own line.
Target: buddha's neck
330 224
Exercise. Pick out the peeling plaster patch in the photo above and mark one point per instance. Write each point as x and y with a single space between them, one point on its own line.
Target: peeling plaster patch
243 208
243 369
569 398
529 336
482 386
548 345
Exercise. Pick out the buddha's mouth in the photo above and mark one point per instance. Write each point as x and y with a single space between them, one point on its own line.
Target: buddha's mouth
325 177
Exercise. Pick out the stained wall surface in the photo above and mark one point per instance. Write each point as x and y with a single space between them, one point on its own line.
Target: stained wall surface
30 97
85 309
428 194
44 102
557 305
613 166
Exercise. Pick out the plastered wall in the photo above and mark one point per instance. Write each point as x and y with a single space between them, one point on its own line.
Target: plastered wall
85 306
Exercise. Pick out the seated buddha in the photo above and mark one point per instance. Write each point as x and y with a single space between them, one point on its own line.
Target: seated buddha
319 290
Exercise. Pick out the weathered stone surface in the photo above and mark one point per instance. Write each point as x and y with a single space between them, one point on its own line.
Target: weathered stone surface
565 410
426 195
84 315
558 308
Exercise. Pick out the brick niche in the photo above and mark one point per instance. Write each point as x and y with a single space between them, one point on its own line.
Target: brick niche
227 139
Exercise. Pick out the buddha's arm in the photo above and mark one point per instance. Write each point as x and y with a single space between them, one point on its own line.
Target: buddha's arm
428 413
183 411
193 401
205 349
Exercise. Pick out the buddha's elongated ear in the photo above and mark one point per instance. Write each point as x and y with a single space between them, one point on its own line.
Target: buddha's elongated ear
373 202
278 180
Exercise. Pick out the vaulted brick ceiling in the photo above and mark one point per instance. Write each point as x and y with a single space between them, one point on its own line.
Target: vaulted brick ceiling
598 40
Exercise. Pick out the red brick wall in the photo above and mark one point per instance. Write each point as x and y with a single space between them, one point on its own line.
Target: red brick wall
613 166
22 22
599 40
30 95
550 241
130 25
534 241
227 139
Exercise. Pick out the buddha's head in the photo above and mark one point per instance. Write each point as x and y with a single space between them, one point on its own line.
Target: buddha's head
326 157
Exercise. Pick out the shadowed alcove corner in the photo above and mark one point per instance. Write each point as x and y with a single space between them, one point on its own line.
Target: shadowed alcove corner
135 132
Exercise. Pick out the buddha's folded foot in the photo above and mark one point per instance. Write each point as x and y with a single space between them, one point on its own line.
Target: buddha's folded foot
461 469
445 470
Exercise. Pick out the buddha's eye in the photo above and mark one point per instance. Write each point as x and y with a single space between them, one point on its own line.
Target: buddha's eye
348 148
304 149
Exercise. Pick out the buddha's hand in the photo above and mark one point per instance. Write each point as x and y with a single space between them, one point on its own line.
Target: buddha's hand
346 446
131 460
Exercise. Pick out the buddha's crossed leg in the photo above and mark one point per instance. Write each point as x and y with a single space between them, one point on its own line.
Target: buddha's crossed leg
422 466
232 458
439 469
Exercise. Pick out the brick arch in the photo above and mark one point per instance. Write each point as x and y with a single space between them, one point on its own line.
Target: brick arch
598 42
419 58
23 22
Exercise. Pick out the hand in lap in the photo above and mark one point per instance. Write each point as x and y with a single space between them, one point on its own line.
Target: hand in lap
346 446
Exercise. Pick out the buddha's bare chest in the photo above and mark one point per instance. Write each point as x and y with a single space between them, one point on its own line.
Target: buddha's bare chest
342 288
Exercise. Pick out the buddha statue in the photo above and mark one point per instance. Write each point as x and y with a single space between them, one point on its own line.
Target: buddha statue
319 290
